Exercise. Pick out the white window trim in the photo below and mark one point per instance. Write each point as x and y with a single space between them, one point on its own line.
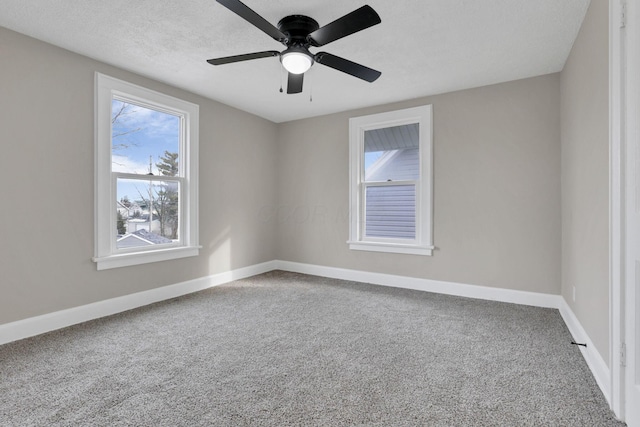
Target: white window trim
423 244
106 254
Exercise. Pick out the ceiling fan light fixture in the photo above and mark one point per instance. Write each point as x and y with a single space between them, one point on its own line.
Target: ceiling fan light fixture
296 60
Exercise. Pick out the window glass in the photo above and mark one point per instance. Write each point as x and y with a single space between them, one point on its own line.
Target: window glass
145 141
391 154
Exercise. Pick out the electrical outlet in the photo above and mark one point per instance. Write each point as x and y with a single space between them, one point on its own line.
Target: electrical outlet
574 294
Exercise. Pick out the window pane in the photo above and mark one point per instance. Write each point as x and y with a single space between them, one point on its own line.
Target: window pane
143 140
392 154
390 211
147 212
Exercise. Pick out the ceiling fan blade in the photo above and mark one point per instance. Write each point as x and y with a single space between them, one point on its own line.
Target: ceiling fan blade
350 23
243 11
294 83
346 66
245 57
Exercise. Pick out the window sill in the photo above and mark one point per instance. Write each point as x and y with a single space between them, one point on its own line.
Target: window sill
392 248
125 260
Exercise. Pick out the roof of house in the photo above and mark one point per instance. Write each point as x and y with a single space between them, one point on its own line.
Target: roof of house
152 237
141 238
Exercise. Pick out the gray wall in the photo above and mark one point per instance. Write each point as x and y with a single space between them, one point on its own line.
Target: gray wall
497 189
585 176
272 191
46 219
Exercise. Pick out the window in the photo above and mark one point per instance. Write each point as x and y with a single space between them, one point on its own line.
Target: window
391 182
146 189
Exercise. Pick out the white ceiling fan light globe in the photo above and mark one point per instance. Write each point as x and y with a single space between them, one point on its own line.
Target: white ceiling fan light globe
296 62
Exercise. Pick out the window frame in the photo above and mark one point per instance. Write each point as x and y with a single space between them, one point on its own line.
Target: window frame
423 243
106 253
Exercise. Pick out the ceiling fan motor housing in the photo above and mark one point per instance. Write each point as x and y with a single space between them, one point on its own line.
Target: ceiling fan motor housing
297 28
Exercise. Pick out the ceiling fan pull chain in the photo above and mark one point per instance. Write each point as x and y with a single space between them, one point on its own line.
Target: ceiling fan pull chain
281 75
310 87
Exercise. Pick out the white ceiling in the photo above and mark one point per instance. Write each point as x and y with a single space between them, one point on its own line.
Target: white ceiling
422 47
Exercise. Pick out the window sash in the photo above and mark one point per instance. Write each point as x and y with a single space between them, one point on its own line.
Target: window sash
182 143
146 179
183 134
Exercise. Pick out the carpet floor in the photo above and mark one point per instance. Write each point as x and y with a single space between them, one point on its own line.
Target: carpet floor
285 349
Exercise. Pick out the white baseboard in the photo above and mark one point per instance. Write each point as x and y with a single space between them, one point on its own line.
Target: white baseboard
599 368
594 360
427 285
49 322
60 319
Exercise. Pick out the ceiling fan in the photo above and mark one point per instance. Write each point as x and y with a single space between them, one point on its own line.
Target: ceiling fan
298 33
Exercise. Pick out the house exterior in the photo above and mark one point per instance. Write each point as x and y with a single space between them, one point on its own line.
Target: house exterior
128 209
136 217
142 223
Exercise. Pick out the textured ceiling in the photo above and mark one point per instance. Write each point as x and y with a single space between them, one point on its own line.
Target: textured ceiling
422 47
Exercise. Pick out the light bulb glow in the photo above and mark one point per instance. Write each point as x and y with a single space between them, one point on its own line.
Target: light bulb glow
296 62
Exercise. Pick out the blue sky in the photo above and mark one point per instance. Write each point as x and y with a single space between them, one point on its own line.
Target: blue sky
370 158
139 133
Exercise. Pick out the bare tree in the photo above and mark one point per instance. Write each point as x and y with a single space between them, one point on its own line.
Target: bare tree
116 117
161 200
